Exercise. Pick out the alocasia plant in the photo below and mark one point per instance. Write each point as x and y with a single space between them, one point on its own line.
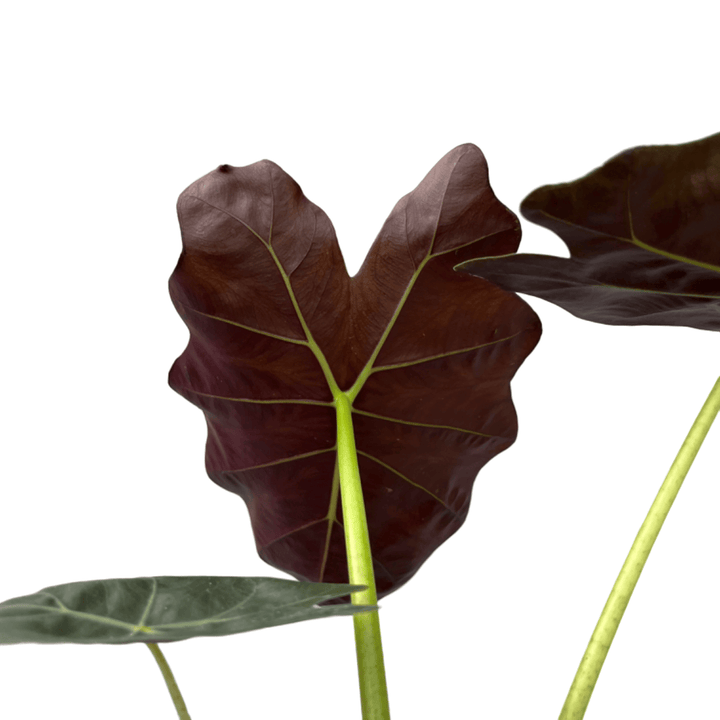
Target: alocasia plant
311 380
353 414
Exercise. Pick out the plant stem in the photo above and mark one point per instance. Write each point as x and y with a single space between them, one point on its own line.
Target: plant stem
371 666
177 698
587 675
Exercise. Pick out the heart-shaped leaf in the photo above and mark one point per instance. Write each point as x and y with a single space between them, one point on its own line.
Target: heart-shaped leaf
278 329
644 236
164 609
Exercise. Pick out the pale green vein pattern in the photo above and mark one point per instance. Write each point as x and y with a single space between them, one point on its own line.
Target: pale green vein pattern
369 368
275 336
261 402
633 240
440 356
406 479
164 609
636 241
281 461
419 424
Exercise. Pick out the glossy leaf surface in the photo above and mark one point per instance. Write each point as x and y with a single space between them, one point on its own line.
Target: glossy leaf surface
278 328
644 236
164 609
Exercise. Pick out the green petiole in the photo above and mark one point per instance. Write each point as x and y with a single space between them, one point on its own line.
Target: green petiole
169 678
587 675
368 643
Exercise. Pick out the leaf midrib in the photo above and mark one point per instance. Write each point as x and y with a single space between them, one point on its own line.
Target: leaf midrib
634 240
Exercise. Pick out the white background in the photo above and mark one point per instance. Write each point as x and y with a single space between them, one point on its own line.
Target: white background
110 113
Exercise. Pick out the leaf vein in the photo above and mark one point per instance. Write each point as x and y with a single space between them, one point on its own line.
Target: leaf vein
219 616
658 292
331 518
638 243
234 217
146 611
279 462
322 403
419 424
247 327
407 479
443 355
294 530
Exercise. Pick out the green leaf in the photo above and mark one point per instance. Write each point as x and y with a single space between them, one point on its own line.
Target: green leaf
164 609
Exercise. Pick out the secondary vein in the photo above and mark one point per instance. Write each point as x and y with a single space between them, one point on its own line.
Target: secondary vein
407 479
442 355
283 401
278 462
419 424
633 240
249 328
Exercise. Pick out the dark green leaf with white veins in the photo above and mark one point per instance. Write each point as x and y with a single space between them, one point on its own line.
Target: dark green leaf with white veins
165 609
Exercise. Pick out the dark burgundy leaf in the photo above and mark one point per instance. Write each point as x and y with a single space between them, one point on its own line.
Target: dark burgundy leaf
277 329
644 237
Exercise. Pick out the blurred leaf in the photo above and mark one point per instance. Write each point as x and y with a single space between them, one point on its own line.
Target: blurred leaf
164 609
